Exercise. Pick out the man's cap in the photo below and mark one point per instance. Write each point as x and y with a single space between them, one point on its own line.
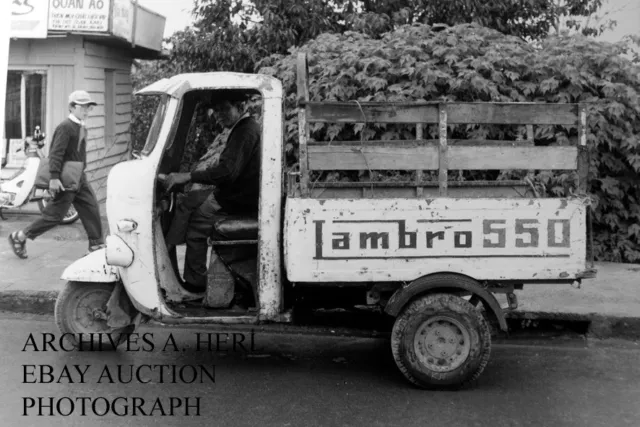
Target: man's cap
81 97
231 95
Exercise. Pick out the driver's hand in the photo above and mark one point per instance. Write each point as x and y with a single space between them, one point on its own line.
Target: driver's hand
176 179
55 186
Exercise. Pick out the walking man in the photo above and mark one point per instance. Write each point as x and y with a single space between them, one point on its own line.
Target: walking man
69 143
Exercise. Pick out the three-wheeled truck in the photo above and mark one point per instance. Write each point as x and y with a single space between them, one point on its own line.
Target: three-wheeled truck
431 254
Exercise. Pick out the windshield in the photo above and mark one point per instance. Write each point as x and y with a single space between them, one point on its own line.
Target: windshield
156 124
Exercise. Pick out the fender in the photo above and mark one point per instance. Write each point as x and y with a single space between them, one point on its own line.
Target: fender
92 268
444 282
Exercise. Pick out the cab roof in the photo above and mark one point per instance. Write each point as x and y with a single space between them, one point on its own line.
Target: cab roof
178 85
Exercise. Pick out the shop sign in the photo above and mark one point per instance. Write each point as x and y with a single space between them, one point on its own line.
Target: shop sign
122 19
79 15
29 19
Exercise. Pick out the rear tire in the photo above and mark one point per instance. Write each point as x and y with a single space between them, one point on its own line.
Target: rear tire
441 341
80 309
70 217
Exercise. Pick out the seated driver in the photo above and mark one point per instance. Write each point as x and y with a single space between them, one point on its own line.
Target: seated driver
236 177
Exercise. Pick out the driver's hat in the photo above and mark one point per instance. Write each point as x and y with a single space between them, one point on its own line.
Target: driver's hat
81 97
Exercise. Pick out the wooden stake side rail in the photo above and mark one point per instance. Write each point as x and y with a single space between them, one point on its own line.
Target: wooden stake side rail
459 113
430 184
442 154
442 157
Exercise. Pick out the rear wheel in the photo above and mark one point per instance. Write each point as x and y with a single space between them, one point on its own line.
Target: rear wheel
70 217
441 341
81 309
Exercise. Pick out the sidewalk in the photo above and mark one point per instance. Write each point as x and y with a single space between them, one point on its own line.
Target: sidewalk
611 302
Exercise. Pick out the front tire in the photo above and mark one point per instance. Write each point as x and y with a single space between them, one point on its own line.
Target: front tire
69 218
81 309
441 341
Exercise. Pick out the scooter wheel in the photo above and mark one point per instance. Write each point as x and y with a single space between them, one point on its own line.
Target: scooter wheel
80 312
71 216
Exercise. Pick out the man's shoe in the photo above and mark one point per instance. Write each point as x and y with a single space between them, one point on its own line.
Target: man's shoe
19 246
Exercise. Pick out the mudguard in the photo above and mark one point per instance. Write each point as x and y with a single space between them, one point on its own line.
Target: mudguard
445 282
92 268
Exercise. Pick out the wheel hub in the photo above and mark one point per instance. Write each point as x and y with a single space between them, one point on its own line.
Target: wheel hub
90 313
442 343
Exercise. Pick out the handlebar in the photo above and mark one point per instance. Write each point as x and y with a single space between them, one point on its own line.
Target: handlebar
37 138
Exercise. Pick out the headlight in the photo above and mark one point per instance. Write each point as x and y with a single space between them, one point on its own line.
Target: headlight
118 253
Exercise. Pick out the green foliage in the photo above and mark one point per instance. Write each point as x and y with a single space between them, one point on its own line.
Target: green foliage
472 63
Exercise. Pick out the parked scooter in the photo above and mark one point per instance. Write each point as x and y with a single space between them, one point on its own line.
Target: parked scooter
19 190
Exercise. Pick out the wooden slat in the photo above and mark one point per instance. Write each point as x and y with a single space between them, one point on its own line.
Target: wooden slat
123 78
443 152
460 113
483 158
426 157
104 154
416 142
92 73
430 184
123 108
530 140
91 85
123 119
374 158
429 192
513 113
97 111
124 89
303 125
340 112
583 152
419 172
123 99
116 62
96 122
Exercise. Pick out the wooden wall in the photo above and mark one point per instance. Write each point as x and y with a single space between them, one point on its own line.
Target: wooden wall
107 77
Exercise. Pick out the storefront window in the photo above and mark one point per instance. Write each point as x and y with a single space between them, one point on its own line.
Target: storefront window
25 104
25 109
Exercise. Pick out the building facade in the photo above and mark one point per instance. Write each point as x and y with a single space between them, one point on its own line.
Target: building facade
84 47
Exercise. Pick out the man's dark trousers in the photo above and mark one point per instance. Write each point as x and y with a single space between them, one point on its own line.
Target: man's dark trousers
200 228
85 202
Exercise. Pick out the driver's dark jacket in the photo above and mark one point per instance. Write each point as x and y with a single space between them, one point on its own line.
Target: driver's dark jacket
237 174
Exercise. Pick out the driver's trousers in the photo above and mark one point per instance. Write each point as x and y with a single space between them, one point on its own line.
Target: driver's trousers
200 228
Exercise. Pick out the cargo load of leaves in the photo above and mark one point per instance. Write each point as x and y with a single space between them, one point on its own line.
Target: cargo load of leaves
472 63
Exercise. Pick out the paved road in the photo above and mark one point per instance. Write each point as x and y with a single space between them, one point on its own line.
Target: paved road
294 380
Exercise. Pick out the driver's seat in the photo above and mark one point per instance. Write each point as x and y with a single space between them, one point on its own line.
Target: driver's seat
231 260
243 229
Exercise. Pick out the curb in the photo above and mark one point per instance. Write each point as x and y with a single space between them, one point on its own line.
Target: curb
31 302
598 325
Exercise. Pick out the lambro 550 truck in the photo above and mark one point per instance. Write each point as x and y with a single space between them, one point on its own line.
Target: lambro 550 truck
431 254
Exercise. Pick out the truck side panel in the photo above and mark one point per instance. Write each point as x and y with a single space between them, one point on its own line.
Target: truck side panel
361 240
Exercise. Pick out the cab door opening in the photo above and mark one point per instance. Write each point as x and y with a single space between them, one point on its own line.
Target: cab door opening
196 143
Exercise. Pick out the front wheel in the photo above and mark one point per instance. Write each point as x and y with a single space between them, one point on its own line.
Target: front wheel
70 217
80 313
441 341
